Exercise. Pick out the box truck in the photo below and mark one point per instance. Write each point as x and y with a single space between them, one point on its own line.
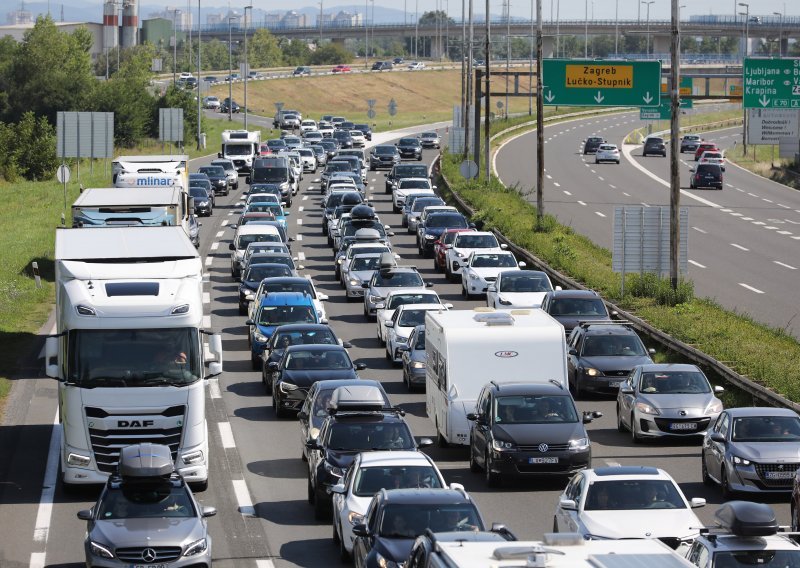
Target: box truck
241 147
130 349
468 348
149 167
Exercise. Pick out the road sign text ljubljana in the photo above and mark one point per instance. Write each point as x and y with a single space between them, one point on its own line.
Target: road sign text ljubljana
575 82
771 83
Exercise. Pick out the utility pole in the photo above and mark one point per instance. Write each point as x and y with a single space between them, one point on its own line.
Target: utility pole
199 68
175 50
539 121
487 90
230 70
508 48
533 54
585 29
246 61
463 61
468 97
674 148
366 35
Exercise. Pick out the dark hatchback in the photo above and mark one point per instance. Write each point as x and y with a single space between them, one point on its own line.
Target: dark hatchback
654 145
435 225
402 171
706 175
201 180
569 307
592 144
343 138
294 334
383 156
218 178
527 429
365 130
303 365
202 202
410 147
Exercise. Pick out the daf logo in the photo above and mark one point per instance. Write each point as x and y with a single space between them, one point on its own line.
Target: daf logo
134 423
506 354
543 448
148 555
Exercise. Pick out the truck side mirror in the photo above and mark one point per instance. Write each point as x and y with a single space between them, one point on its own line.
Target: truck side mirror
50 353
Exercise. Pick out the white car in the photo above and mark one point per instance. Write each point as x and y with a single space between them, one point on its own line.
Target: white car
359 269
397 298
623 502
713 157
359 140
211 102
481 270
403 322
405 187
464 244
308 125
309 159
416 66
607 153
518 289
369 473
185 75
325 129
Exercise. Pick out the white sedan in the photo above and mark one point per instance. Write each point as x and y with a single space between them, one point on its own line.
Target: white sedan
481 270
607 153
518 289
308 125
624 502
416 66
369 473
359 140
397 298
463 245
403 322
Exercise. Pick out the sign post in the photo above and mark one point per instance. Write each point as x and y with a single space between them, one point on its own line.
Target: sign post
771 83
575 82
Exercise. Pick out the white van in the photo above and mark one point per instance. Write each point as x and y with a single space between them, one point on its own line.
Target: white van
246 234
468 348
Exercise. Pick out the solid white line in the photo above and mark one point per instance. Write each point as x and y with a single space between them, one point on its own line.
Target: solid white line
699 230
213 388
226 433
582 203
37 560
209 260
214 246
220 234
206 322
598 213
784 206
243 497
740 247
697 264
45 511
265 563
752 194
756 290
779 263
766 200
206 298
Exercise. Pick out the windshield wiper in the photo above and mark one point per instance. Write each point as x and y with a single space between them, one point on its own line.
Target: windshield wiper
162 381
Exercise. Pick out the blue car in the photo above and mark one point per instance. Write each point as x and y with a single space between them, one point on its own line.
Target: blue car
276 309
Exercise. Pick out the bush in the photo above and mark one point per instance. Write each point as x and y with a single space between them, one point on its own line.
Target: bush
660 289
28 149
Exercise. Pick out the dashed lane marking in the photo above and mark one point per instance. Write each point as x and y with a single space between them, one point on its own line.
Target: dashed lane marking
697 264
226 433
789 266
243 497
740 247
748 287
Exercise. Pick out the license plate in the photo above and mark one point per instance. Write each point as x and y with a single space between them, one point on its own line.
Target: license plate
683 426
542 460
615 384
148 566
779 474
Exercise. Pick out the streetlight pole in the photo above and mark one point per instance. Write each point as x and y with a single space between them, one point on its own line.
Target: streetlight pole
463 60
675 184
366 34
487 93
746 28
320 22
558 28
616 30
416 30
246 61
199 68
780 34
230 69
533 54
508 48
539 121
648 23
175 50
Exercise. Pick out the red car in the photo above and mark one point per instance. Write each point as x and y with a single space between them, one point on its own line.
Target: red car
705 147
444 242
341 69
264 150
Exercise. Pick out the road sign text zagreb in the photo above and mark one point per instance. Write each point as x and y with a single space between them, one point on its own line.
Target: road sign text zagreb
771 83
589 82
599 77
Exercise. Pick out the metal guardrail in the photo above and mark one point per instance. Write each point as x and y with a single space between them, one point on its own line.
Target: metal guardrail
690 352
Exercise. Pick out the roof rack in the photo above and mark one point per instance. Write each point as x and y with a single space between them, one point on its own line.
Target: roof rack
587 323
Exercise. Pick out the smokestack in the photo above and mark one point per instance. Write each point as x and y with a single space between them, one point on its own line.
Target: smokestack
110 25
130 21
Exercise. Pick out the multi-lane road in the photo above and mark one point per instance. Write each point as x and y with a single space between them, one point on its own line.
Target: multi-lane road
258 482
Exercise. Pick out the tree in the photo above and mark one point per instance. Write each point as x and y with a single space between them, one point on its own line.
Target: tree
28 149
216 57
264 50
434 17
295 52
8 50
331 54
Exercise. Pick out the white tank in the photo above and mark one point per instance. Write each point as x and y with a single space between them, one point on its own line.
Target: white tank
130 22
110 25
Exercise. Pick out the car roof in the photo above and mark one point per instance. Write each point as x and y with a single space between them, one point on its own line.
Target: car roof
513 389
305 327
394 458
662 367
591 328
426 496
760 411
410 291
286 299
316 347
405 307
629 471
574 294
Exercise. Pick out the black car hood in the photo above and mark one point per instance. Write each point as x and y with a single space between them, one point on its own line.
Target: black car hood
306 377
341 458
615 363
435 231
396 549
535 434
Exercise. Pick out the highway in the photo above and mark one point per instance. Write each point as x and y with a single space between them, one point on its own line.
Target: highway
744 236
258 481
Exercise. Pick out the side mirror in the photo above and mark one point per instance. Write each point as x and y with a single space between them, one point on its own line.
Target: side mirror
503 246
522 264
247 180
231 247
339 488
717 437
388 324
626 389
208 511
273 366
491 288
434 187
425 443
322 297
573 351
360 530
302 415
697 502
345 344
361 366
568 504
249 322
651 351
691 169
472 417
312 445
559 288
718 389
365 284
429 284
219 154
85 515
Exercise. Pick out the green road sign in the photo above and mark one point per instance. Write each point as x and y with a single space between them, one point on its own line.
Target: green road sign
771 83
577 82
661 112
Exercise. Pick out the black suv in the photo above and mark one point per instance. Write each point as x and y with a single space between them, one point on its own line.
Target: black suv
654 145
592 144
218 178
396 517
706 175
402 171
383 156
359 424
528 429
569 307
410 147
365 130
601 356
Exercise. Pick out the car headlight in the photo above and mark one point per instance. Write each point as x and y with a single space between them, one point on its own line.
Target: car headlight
333 470
286 388
459 255
418 365
474 276
715 407
375 299
197 547
500 445
740 461
355 518
385 562
430 237
645 408
261 338
249 294
579 444
401 339
355 282
100 550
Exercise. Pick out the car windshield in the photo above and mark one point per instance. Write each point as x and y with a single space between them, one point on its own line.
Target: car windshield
280 315
146 501
317 360
420 204
578 307
307 337
352 252
265 247
493 261
365 263
398 279
410 521
612 346
428 135
245 240
766 429
370 436
408 142
263 198
766 558
534 409
385 150
370 480
258 272
264 258
273 188
294 286
674 382
476 241
276 143
633 494
420 343
411 171
414 184
292 140
398 300
215 171
411 318
524 283
455 220
198 192
259 207
340 166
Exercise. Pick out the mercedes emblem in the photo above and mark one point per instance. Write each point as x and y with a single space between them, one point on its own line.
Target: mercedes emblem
148 555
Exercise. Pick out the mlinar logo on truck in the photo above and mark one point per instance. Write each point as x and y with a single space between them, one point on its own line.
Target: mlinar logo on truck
150 181
505 354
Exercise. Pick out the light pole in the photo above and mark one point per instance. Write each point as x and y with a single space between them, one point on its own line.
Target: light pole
230 69
558 28
246 62
416 30
366 33
586 29
463 60
533 54
199 58
746 28
320 22
780 34
508 48
175 50
648 3
616 30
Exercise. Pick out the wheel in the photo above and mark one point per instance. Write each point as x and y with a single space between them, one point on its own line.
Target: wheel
404 221
464 293
321 511
344 556
388 355
555 525
620 425
242 309
310 490
279 412
473 465
596 161
704 471
267 384
492 479
199 486
727 493
635 438
441 441
255 362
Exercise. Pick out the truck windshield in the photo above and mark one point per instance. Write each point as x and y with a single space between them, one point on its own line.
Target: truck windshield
238 149
125 216
112 358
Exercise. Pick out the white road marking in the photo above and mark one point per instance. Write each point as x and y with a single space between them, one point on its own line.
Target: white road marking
301 255
45 511
305 197
209 260
626 194
206 298
265 563
300 208
759 223
784 232
642 203
224 223
207 322
598 213
735 214
766 200
592 170
770 228
779 263
214 246
230 212
220 234
699 230
226 433
214 390
555 183
612 186
582 203
756 290
600 178
612 463
784 206
37 560
299 238
740 247
747 218
299 221
566 192
243 497
697 264
548 176
726 210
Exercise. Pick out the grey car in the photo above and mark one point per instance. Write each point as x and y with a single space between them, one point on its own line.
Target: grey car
359 270
752 450
663 400
414 359
146 515
230 171
384 281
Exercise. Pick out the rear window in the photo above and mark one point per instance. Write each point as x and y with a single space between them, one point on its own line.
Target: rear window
708 169
455 221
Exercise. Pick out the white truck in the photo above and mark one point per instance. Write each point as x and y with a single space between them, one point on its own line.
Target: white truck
144 171
130 349
241 147
129 207
468 348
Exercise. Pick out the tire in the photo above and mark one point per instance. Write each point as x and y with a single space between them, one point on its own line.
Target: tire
635 438
473 465
344 556
321 511
555 525
199 486
620 425
242 310
255 362
310 490
267 384
464 293
704 471
727 493
492 479
441 441
279 412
